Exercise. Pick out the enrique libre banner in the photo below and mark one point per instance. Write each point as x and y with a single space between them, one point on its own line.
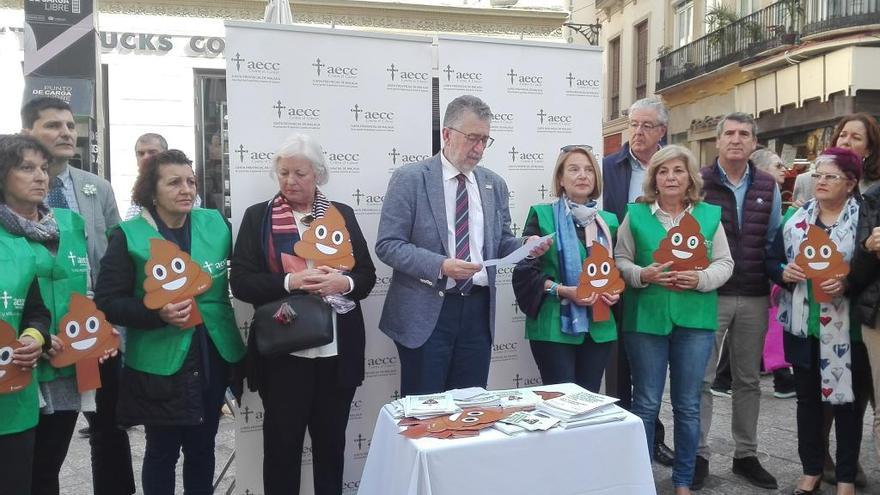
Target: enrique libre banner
367 99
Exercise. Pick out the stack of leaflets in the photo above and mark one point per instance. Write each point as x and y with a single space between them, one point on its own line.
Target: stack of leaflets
428 406
605 414
521 421
574 409
474 397
517 398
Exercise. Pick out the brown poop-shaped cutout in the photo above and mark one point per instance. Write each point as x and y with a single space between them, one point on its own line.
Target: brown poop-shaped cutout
12 378
85 333
684 246
173 276
468 422
600 275
327 242
820 260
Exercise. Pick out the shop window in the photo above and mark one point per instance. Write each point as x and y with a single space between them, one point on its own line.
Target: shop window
212 141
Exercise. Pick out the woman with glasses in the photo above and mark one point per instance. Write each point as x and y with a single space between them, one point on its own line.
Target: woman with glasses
859 133
823 340
769 162
567 344
670 317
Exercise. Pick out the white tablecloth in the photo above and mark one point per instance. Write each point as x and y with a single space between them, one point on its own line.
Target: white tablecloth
607 459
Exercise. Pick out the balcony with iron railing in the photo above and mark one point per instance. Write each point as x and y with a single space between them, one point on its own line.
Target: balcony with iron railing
773 26
830 15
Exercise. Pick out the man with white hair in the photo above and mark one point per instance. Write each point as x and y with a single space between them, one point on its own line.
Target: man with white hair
623 173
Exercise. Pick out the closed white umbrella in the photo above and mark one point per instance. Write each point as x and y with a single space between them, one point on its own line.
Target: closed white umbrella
278 12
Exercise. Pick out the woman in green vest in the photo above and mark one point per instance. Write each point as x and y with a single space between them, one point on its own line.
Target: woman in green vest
175 375
23 179
671 316
823 340
568 346
57 240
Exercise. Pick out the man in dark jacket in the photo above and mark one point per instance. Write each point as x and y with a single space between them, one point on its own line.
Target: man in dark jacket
623 174
751 211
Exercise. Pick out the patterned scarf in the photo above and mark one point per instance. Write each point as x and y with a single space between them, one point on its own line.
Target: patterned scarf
284 233
835 349
575 319
44 230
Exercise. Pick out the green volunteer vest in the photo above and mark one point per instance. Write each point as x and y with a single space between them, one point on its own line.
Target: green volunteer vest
655 309
60 275
546 326
161 351
20 410
855 327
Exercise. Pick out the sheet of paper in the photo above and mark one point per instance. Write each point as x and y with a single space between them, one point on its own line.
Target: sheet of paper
519 254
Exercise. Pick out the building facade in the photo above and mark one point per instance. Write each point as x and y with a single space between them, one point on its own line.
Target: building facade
796 65
163 66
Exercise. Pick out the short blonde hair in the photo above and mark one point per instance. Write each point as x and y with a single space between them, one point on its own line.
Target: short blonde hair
665 155
557 172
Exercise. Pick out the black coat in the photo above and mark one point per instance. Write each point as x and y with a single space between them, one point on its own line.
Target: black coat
252 282
864 274
146 398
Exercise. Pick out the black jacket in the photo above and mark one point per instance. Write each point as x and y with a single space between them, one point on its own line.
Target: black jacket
252 282
146 398
864 273
616 174
36 315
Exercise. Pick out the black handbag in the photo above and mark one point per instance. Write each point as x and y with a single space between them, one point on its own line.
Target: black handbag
292 323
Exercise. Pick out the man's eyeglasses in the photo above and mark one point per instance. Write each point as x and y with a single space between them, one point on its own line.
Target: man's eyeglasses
473 139
827 177
646 126
572 147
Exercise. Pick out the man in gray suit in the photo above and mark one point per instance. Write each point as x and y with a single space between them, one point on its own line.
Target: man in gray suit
51 122
441 219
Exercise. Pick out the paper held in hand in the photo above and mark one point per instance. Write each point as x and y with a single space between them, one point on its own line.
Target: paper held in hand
520 254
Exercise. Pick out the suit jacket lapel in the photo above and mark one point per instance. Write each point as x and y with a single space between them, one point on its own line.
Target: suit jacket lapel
487 198
434 188
85 204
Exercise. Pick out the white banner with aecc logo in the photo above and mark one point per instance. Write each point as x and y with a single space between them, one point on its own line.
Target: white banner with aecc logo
366 98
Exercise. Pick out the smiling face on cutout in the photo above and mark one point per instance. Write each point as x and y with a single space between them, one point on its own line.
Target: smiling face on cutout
600 274
819 257
684 246
327 242
85 332
172 275
12 378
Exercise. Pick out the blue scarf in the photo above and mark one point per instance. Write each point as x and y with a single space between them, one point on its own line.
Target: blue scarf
575 319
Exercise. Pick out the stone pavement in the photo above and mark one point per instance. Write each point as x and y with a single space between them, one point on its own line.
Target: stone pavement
777 447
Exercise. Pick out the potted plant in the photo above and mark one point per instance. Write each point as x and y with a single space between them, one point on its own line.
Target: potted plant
717 19
794 19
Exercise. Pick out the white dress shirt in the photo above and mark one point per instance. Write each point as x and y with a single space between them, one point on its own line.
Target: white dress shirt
475 218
